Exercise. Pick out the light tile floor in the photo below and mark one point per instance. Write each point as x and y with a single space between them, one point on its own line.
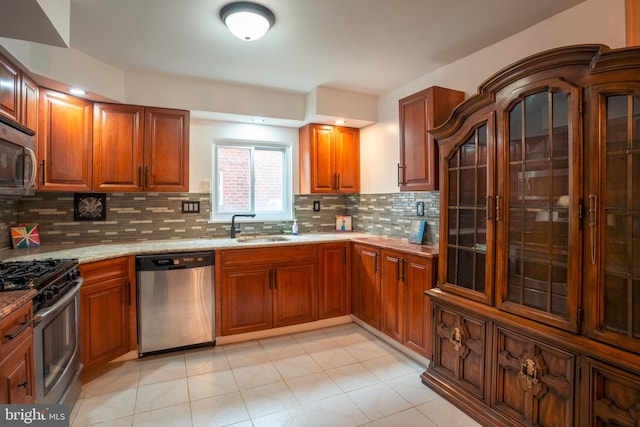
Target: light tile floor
334 377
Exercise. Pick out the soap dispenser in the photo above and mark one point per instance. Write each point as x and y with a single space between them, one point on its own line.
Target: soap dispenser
294 228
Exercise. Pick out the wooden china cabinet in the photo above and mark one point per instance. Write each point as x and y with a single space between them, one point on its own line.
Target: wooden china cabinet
536 313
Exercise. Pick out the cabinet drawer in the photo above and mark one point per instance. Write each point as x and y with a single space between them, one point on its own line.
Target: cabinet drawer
101 271
12 324
265 255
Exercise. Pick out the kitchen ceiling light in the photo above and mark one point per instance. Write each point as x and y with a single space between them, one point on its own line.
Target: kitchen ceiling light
247 21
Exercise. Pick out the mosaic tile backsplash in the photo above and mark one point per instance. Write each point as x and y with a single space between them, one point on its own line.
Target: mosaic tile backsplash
157 216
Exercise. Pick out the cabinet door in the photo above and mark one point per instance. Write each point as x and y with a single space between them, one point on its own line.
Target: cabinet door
460 344
614 397
117 147
246 299
323 178
17 381
420 112
392 294
295 293
166 150
334 283
107 314
534 382
64 142
538 274
612 224
9 90
365 300
347 160
105 320
418 273
29 103
468 212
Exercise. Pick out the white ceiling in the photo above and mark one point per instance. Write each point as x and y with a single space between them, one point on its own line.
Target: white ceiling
367 46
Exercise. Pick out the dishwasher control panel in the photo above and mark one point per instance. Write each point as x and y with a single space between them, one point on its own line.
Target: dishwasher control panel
186 260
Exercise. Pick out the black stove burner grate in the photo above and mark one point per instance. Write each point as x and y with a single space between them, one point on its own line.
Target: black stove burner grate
19 275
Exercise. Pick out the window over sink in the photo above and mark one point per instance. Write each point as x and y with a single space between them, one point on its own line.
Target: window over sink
251 177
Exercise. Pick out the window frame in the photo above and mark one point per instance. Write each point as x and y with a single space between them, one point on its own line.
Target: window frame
286 148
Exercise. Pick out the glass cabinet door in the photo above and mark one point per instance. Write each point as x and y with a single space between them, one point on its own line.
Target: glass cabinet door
613 222
538 211
467 262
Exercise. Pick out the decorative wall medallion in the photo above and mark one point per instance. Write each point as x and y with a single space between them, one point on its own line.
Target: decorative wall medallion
90 207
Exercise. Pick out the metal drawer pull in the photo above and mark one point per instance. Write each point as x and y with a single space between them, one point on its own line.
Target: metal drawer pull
22 327
24 384
456 338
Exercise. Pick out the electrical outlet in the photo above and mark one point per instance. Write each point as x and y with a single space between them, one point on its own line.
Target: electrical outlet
316 205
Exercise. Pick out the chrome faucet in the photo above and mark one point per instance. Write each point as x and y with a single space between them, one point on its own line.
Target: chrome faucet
235 230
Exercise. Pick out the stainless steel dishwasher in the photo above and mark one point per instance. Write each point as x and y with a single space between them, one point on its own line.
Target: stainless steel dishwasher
175 295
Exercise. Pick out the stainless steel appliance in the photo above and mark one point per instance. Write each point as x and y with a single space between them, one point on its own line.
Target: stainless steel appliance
56 309
175 295
17 159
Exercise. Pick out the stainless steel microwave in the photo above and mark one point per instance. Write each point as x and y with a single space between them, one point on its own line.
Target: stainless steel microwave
18 163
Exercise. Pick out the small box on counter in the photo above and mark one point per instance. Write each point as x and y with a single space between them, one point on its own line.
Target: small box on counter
25 236
343 223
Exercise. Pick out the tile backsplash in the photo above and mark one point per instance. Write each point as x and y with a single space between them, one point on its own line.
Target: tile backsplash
157 216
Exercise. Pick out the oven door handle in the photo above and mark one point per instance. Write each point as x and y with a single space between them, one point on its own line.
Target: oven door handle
41 314
22 327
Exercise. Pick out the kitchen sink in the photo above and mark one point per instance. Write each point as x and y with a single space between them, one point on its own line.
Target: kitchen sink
262 239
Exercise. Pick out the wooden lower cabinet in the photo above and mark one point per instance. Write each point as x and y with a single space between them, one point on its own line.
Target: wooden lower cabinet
503 370
405 308
365 301
460 343
107 310
264 288
613 396
17 379
335 280
534 382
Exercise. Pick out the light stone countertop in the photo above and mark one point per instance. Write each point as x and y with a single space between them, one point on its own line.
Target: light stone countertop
98 252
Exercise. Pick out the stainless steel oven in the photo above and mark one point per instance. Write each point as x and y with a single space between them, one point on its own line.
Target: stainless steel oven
57 351
55 323
18 163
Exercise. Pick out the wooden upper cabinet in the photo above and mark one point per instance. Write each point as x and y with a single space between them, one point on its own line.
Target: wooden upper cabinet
140 148
329 159
9 90
29 103
166 150
419 113
64 142
117 147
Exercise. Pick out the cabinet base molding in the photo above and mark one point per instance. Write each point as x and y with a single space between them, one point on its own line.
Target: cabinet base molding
395 344
285 330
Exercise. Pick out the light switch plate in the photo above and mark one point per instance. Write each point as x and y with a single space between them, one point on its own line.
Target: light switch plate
316 205
190 207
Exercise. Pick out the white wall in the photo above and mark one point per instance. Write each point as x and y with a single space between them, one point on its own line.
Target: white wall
594 21
203 132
